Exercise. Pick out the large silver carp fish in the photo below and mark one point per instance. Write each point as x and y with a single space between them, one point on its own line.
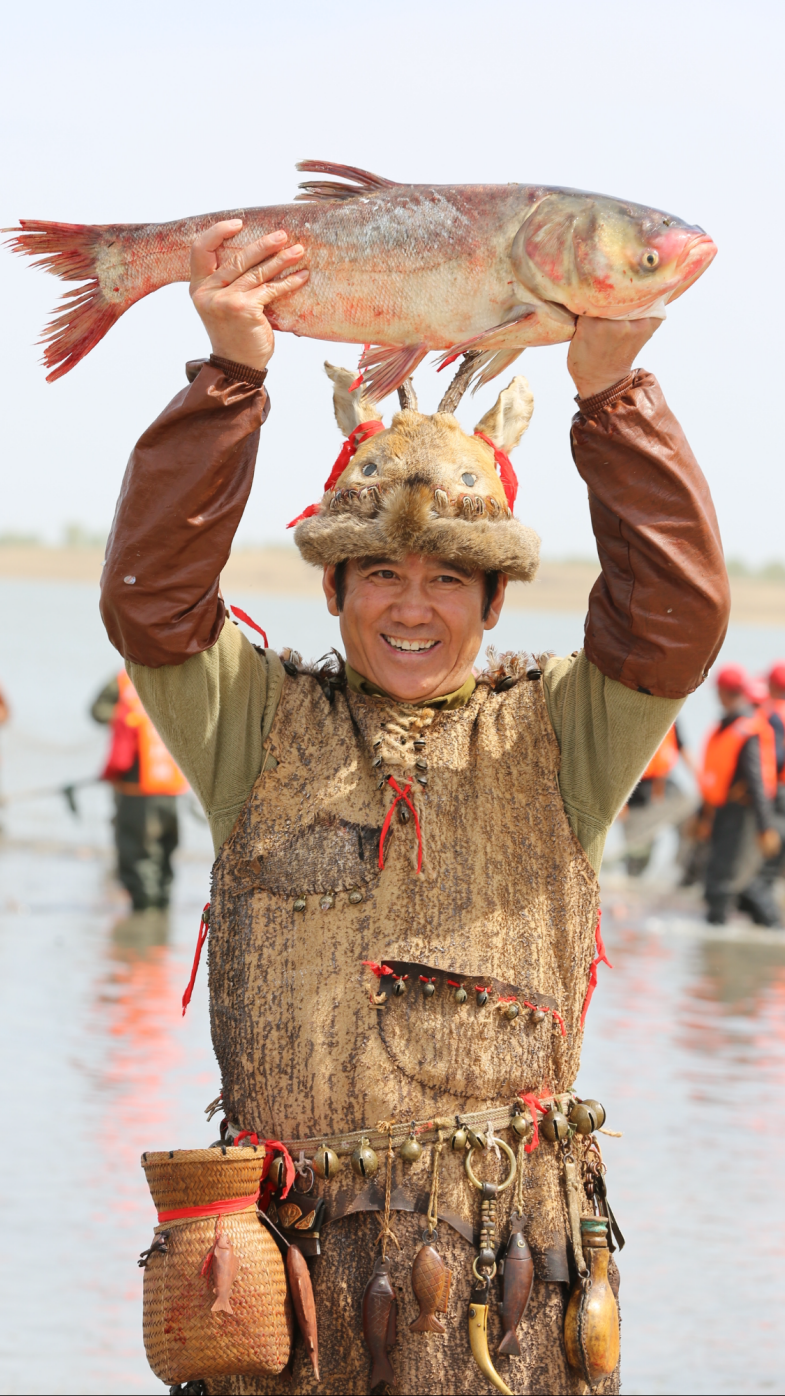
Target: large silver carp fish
401 268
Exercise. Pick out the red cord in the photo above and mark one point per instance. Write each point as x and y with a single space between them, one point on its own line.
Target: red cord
600 959
534 1105
401 795
204 926
506 473
241 615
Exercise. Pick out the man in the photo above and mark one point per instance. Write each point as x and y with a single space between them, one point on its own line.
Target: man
397 813
739 782
146 784
758 896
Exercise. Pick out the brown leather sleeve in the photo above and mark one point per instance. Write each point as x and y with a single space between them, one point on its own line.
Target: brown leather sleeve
659 611
182 498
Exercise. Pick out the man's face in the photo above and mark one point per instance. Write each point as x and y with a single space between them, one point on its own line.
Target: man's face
730 699
413 628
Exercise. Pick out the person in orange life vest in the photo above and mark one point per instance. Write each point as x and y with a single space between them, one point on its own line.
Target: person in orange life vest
768 697
774 708
656 787
738 783
146 782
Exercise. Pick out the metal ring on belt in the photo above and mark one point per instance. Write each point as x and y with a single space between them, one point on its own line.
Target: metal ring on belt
500 1187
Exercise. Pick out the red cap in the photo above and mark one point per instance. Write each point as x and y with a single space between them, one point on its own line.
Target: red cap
777 674
757 691
734 678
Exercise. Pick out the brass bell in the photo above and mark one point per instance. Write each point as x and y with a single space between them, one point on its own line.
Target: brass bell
326 1162
475 1139
276 1171
597 1110
459 1139
300 904
428 990
355 896
399 987
460 995
555 1125
327 902
364 1161
520 1125
411 1148
511 1011
482 997
539 1015
584 1118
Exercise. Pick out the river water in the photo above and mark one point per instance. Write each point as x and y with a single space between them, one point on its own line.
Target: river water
685 1046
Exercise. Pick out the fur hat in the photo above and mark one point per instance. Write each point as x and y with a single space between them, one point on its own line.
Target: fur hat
422 486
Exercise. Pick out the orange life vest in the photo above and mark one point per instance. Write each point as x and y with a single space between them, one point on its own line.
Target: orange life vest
133 735
721 757
664 758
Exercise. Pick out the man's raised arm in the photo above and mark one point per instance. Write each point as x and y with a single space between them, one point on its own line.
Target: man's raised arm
190 474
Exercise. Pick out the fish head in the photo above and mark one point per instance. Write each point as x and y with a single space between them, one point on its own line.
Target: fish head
607 258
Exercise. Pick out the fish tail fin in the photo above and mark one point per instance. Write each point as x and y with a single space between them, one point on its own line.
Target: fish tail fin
509 1345
381 1371
427 1323
99 257
222 1306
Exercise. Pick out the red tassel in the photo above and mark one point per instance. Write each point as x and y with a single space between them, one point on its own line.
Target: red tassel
204 926
350 446
241 615
378 970
506 473
601 958
534 1106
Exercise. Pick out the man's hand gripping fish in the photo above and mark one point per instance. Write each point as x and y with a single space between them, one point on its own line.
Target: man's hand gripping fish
403 269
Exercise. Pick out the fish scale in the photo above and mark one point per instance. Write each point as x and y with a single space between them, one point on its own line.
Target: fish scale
404 269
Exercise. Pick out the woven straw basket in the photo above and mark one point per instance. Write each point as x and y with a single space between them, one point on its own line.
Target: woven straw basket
183 1339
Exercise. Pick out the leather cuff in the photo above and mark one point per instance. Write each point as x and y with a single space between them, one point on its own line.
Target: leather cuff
236 373
589 405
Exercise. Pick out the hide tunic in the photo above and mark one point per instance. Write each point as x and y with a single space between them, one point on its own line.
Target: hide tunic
505 892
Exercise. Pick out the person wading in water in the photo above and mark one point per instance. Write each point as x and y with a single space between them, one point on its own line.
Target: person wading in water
404 909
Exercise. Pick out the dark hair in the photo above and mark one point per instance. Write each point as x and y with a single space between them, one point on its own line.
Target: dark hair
491 583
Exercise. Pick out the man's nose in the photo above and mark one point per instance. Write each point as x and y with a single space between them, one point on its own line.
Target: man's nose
412 608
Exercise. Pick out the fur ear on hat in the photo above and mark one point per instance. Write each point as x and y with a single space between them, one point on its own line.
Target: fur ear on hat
350 408
508 419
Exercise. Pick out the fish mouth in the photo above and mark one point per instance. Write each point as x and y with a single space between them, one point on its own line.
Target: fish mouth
701 246
401 646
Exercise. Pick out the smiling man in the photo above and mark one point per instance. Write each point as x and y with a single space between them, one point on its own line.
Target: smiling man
404 910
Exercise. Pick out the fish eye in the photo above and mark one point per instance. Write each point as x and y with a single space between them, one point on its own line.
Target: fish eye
371 468
649 260
469 479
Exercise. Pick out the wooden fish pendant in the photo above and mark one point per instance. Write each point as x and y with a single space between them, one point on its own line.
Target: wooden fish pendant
517 1275
304 1303
380 1312
224 1268
431 1284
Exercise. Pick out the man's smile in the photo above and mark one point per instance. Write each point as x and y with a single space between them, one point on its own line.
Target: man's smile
408 646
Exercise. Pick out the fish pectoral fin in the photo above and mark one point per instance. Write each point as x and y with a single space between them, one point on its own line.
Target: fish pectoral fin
359 182
383 367
509 335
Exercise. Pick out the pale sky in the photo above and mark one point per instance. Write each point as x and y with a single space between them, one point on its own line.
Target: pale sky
149 112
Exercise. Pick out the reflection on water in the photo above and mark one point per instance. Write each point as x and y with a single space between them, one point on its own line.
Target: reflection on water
685 1046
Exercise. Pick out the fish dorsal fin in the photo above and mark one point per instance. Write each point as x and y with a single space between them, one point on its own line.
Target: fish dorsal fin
360 182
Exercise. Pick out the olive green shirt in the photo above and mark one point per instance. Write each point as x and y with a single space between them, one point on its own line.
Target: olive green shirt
215 711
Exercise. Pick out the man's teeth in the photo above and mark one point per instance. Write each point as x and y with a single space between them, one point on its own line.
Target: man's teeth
410 644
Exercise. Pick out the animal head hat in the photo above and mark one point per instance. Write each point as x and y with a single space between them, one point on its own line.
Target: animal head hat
422 485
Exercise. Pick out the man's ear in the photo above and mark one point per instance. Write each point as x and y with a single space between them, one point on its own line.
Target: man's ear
330 589
508 419
495 608
351 408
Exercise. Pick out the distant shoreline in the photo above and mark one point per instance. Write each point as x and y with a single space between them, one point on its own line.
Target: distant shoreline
560 586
